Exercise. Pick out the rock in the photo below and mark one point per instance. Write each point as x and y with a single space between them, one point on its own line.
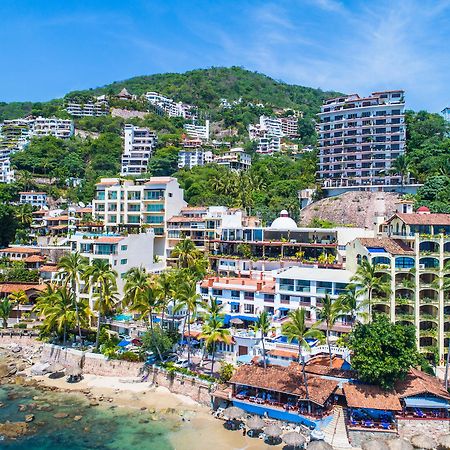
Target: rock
7 369
60 415
77 418
29 418
144 420
94 403
22 408
143 408
2 405
13 430
16 349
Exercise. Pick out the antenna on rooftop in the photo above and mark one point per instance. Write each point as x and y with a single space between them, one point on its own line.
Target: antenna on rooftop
81 204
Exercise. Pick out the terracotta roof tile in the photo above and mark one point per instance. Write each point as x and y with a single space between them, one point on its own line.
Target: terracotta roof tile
26 250
371 397
393 246
417 382
184 219
287 380
49 268
423 219
108 240
10 288
34 259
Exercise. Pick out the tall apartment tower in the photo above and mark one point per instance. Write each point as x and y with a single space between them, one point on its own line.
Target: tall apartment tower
359 140
138 148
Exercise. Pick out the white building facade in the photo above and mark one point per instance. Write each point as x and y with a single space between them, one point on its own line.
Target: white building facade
139 145
37 199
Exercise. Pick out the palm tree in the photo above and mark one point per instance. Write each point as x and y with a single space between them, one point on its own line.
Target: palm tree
72 266
263 325
57 307
164 291
213 307
296 329
352 303
400 166
213 331
102 278
137 281
186 252
5 311
191 301
24 215
330 312
368 280
18 298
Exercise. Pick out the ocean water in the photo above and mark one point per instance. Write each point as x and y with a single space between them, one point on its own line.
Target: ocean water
101 427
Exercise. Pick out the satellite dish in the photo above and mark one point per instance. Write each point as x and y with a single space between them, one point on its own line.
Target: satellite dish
45 208
81 204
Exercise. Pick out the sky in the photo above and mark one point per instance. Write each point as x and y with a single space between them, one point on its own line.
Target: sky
51 47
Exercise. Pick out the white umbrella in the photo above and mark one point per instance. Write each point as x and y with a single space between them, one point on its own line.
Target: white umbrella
294 439
424 442
234 413
255 423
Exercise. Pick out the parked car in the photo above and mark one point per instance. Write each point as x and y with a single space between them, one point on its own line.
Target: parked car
172 357
183 363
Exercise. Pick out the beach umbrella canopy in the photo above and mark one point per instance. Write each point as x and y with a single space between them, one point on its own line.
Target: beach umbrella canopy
374 444
236 321
55 367
399 444
317 435
234 413
273 431
319 445
73 371
444 442
255 423
424 442
294 439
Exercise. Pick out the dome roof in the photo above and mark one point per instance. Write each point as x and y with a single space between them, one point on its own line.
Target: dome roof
284 222
423 209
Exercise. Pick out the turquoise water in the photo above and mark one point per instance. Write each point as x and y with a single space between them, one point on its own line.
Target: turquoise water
100 428
123 317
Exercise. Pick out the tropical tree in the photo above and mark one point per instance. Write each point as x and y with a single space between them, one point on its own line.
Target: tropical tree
137 281
330 312
352 303
24 215
18 298
164 291
100 276
213 331
5 311
187 253
147 304
401 166
369 281
263 325
72 267
57 308
296 329
191 301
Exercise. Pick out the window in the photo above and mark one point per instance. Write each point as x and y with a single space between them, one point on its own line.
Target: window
217 292
134 195
235 294
123 247
324 287
286 284
302 285
404 262
134 208
204 290
155 207
155 219
123 261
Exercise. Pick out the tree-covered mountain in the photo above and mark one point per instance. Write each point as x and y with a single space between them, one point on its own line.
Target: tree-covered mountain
202 87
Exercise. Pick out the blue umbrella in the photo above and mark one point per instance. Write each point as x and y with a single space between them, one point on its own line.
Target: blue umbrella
123 343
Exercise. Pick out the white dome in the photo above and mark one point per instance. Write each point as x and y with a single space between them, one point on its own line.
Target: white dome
284 222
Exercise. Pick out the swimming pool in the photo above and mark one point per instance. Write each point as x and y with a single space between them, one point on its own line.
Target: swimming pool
123 317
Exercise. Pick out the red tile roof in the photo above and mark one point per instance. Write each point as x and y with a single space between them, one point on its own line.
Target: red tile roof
288 380
185 219
371 397
108 240
56 219
26 250
393 246
422 219
418 382
242 284
34 259
10 288
283 353
49 268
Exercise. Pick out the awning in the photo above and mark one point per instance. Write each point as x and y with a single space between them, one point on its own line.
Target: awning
235 304
426 402
283 309
228 317
124 343
245 359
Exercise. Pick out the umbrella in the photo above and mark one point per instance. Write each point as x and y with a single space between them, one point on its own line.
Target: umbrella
273 431
399 444
374 444
294 439
55 367
236 321
423 441
255 423
73 371
444 442
317 435
234 413
124 343
319 445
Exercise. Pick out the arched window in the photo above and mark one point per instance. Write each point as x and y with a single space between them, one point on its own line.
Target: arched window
404 262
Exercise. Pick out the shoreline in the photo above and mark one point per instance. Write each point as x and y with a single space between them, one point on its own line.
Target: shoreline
196 427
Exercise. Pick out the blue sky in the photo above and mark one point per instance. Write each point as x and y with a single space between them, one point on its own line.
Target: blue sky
50 47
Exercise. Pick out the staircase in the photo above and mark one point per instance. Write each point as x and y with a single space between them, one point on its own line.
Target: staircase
336 432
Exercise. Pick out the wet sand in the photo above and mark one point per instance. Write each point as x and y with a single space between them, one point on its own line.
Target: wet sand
198 430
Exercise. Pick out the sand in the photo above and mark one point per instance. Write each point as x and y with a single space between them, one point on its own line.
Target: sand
199 429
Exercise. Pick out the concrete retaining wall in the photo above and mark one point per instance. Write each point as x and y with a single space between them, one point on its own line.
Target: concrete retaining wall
7 339
434 428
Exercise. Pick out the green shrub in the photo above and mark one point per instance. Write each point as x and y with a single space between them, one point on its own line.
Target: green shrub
22 326
129 356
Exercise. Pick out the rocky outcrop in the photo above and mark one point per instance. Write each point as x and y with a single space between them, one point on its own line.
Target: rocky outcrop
356 209
14 430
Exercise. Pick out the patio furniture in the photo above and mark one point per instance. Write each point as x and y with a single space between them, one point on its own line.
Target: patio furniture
385 425
368 423
252 399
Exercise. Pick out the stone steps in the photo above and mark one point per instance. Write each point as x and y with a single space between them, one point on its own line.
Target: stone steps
336 432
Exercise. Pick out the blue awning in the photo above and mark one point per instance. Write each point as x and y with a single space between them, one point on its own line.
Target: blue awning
156 319
124 343
283 309
228 317
426 402
234 303
246 359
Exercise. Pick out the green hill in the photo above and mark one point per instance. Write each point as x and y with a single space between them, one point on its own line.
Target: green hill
202 87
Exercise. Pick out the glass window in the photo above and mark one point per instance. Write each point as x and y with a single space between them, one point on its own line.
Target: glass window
235 294
404 262
324 287
155 219
123 261
123 247
302 285
286 284
155 207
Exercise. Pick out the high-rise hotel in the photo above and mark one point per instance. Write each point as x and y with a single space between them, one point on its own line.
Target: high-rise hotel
360 138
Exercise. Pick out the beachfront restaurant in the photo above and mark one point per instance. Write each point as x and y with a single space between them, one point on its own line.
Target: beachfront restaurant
279 393
371 408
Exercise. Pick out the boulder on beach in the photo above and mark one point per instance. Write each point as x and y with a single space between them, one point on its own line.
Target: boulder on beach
60 415
77 418
29 418
7 369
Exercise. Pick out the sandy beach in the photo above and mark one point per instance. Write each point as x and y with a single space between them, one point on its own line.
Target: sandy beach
198 428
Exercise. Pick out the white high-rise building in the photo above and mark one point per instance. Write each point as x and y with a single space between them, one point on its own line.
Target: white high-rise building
198 131
167 106
127 204
191 157
92 108
360 138
6 173
139 144
60 128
